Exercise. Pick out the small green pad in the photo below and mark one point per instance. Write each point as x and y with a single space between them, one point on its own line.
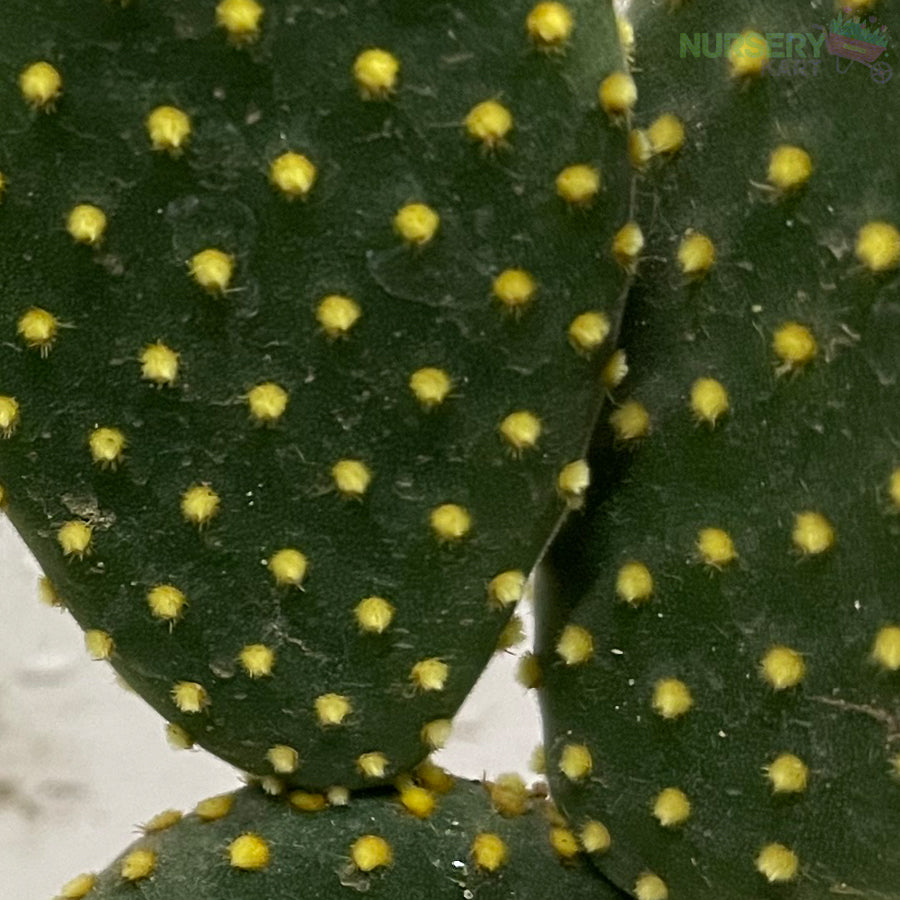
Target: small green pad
245 658
742 712
263 847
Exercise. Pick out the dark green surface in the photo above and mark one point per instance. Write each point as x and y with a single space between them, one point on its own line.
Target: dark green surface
824 438
293 90
310 854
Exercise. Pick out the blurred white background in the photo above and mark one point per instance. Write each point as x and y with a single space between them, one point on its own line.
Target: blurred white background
83 762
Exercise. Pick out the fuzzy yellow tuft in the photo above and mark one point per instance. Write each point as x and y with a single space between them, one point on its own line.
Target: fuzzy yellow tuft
436 733
376 73
787 774
575 645
434 777
373 764
257 660
716 547
509 795
783 668
578 184
177 738
169 129
794 345
813 533
489 851
789 167
288 567
489 122
337 315
512 635
630 421
332 709
75 538
162 821
666 134
418 801
249 852
40 84
283 759
267 402
696 254
79 887
564 842
9 415
430 674
190 697
107 446
99 644
634 583
777 863
166 601
214 808
672 698
537 762
521 429
640 150
138 864
307 802
709 400
615 370
573 481
240 18
595 837
371 852
627 245
159 364
212 269
199 504
878 246
671 807
589 330
650 887
618 94
514 288
47 593
575 762
894 487
528 671
748 54
417 224
293 174
351 477
506 589
86 224
374 614
549 25
450 522
430 386
38 329
886 649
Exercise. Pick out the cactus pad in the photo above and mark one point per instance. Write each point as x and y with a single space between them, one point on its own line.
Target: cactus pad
724 691
416 844
303 318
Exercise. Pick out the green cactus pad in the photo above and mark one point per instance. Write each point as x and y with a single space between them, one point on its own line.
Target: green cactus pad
248 845
270 284
724 689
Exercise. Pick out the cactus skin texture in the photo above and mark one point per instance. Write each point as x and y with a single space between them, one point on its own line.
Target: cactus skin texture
261 847
187 403
741 715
